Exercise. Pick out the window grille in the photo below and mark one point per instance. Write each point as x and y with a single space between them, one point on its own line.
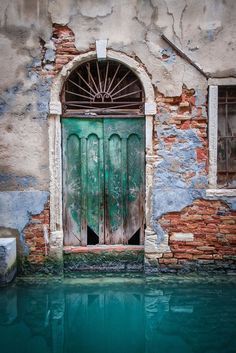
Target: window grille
226 165
102 88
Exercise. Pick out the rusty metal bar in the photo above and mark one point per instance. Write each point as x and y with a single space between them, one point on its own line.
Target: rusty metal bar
100 87
131 83
128 94
77 94
105 103
83 89
92 79
117 69
85 82
106 75
119 82
99 77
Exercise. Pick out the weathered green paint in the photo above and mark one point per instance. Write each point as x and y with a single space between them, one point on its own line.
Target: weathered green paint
103 179
124 178
83 181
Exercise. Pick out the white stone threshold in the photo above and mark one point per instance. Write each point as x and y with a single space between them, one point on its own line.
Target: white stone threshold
221 192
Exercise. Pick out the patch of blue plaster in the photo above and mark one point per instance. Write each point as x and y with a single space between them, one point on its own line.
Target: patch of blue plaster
230 201
174 199
41 85
34 76
25 181
200 97
199 181
50 55
160 233
41 89
162 115
173 189
49 67
168 55
8 97
171 200
36 63
211 35
16 207
175 163
189 135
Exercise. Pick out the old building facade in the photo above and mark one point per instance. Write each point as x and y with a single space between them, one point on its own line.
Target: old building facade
118 128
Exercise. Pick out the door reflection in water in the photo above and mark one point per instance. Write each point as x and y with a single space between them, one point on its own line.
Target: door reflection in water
118 315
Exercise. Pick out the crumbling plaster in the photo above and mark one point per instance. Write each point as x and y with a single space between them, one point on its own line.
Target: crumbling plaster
203 29
132 27
16 208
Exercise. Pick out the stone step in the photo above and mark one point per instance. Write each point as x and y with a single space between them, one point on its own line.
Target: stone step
104 258
7 260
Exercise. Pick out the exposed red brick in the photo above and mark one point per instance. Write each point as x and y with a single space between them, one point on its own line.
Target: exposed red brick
201 154
34 236
214 232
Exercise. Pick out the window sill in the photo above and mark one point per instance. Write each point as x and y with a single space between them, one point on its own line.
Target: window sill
221 192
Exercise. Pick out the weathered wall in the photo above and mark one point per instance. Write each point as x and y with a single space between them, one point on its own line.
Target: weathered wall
40 36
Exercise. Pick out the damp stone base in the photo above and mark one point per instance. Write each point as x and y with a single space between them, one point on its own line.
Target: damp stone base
203 267
7 260
104 259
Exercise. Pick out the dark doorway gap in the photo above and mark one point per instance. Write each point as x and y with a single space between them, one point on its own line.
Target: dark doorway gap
135 239
92 237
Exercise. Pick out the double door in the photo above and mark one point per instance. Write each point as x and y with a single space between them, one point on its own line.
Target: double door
103 181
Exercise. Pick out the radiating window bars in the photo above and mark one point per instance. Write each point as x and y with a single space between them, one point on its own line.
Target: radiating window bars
102 88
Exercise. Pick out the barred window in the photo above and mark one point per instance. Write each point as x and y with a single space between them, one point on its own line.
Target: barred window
102 88
226 148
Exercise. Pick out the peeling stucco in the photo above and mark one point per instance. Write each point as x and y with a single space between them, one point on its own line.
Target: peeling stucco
27 49
204 30
17 207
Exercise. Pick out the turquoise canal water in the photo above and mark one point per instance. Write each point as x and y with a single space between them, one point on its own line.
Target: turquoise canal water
119 315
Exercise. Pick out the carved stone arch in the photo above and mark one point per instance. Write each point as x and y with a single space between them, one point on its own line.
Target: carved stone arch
55 163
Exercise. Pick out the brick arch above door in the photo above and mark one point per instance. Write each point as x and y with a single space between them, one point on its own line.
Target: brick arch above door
55 163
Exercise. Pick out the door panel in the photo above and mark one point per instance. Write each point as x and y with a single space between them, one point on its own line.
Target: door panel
124 173
93 204
103 179
83 169
113 186
72 188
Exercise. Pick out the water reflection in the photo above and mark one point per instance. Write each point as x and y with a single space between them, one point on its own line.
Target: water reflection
132 317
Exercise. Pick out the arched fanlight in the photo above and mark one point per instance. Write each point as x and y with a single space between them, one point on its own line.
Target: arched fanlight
102 88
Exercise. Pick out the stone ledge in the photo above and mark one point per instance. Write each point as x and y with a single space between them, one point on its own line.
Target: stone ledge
221 192
101 248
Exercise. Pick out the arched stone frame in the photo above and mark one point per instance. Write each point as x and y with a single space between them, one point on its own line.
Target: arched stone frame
55 153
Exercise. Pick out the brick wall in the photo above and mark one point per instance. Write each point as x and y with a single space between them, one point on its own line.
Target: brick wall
34 233
201 234
36 236
63 39
180 140
204 232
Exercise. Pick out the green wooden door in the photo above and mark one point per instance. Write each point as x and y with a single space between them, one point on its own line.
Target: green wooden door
103 180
